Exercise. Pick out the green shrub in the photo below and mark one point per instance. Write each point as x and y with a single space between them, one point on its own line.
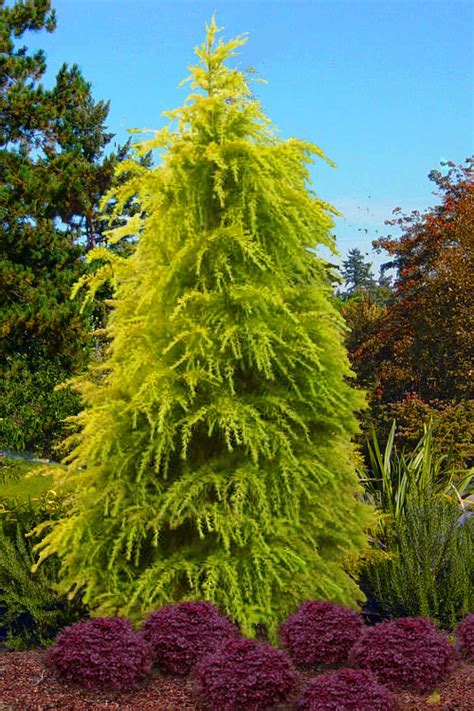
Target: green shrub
32 412
23 480
453 425
431 570
31 611
422 557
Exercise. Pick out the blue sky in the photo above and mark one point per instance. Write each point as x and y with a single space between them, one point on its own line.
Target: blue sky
384 87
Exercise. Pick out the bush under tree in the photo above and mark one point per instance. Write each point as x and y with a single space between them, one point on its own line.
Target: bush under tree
465 635
320 633
181 634
243 673
346 690
407 653
104 652
31 610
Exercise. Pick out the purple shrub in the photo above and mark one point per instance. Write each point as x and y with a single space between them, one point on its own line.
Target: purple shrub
465 636
407 653
320 633
181 634
244 674
103 652
346 690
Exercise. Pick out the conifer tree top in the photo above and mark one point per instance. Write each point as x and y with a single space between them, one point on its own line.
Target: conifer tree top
222 123
221 105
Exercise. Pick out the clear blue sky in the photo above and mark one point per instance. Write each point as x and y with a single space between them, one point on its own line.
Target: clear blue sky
384 87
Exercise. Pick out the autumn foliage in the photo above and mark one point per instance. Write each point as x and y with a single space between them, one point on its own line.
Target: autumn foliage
465 636
415 353
426 336
244 674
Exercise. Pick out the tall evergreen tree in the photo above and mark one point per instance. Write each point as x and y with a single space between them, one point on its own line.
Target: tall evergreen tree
357 273
213 458
53 173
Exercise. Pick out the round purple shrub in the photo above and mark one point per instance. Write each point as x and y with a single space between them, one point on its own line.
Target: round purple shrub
465 635
103 652
244 674
181 634
320 633
346 690
407 653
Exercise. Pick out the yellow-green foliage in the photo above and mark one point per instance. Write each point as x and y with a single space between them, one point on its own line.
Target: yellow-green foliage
23 480
31 612
215 439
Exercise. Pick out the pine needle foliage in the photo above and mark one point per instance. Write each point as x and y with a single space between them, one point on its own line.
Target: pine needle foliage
213 458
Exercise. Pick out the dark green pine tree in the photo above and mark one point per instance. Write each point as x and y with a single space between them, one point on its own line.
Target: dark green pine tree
357 273
213 458
52 173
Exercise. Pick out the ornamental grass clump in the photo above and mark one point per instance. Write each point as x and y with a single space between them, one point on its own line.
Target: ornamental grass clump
104 652
244 674
346 690
181 634
408 653
320 634
465 636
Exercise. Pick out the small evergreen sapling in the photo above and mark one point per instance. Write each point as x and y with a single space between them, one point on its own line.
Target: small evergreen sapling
213 458
31 611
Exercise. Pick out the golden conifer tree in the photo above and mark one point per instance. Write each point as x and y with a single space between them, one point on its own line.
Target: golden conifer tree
213 457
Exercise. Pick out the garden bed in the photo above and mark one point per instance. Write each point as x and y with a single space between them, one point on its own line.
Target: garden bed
26 685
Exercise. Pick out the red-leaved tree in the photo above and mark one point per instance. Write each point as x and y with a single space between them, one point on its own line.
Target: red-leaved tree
417 354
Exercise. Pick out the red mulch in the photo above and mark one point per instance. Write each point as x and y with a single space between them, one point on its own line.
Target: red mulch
26 685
